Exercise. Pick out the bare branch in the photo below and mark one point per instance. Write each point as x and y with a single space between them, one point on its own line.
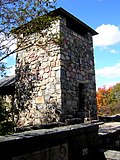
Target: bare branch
29 16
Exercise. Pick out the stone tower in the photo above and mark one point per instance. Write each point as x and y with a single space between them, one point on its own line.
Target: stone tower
57 82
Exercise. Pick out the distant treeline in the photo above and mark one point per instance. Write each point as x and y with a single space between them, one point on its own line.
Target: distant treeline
108 100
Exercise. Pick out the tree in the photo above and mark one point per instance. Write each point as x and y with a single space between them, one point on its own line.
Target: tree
16 14
19 20
108 100
114 98
6 123
102 96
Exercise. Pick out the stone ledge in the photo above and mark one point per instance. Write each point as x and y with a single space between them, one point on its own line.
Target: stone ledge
37 127
113 118
112 155
44 132
81 140
109 136
109 127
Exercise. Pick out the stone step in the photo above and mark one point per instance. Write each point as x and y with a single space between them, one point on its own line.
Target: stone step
112 155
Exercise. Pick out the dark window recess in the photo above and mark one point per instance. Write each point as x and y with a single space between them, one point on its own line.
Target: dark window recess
81 97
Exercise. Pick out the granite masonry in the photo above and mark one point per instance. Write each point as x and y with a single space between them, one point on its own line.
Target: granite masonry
56 82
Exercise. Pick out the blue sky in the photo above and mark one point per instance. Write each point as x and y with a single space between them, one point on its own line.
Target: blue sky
104 17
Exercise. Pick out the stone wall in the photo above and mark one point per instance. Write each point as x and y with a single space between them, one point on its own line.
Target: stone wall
113 118
71 142
55 81
38 88
109 136
77 73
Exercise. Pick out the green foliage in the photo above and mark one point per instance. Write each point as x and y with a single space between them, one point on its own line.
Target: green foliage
3 112
108 100
114 99
6 123
115 94
7 128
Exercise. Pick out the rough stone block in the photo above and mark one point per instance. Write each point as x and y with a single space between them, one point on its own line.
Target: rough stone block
39 100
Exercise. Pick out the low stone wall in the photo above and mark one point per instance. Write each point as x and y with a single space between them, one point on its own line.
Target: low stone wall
109 136
71 142
113 118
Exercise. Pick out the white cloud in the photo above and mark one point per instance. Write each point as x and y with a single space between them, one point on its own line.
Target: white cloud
113 51
108 35
109 72
112 83
107 84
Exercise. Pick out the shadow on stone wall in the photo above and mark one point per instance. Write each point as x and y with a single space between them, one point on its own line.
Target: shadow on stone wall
26 90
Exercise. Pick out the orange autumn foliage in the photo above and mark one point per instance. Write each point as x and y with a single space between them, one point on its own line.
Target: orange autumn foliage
102 96
108 100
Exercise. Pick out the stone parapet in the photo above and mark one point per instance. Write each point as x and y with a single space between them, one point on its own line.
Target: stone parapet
109 136
72 142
